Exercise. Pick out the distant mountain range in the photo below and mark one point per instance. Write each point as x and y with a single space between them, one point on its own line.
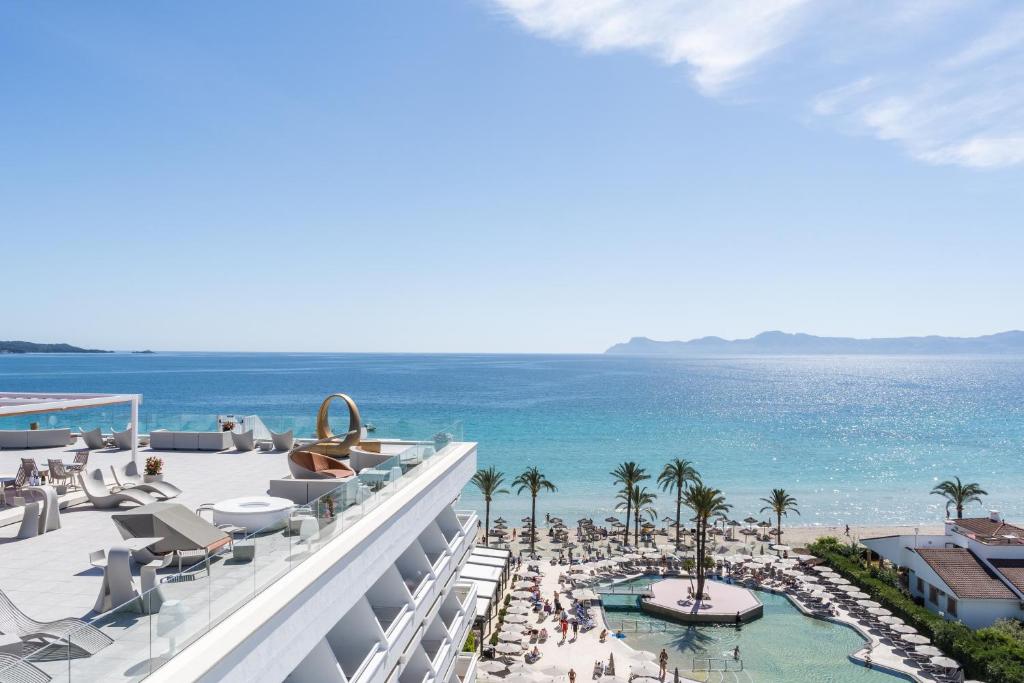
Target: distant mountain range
32 347
784 343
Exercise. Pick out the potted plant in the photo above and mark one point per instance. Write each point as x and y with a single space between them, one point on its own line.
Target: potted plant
154 469
227 426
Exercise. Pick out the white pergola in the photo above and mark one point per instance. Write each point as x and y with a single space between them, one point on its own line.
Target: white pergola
28 403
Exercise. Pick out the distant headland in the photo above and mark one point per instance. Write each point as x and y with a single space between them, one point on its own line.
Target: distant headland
32 347
784 343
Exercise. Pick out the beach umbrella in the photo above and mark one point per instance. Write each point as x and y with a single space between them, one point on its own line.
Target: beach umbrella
851 590
526 520
522 595
524 585
492 666
764 525
860 595
822 568
500 520
944 662
838 581
509 648
928 651
733 522
518 607
879 612
515 618
527 574
750 520
584 594
611 520
891 621
804 558
868 603
510 637
556 519
781 549
747 532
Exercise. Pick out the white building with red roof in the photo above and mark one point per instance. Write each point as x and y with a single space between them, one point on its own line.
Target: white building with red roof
973 573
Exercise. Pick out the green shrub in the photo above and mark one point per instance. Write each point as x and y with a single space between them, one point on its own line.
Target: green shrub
470 644
994 654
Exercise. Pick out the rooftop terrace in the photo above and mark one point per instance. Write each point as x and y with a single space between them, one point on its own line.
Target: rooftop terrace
49 576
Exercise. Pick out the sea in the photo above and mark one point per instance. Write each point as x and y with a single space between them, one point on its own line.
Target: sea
856 439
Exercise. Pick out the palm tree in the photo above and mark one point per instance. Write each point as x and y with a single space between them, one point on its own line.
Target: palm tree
488 482
706 502
780 503
959 494
534 481
629 474
641 502
675 476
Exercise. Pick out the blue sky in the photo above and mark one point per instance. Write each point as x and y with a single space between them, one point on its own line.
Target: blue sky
507 175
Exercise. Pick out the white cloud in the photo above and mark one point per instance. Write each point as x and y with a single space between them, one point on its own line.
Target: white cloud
939 79
718 40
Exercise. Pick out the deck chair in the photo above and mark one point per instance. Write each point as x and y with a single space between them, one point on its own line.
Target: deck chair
122 440
81 460
17 670
101 497
79 637
59 475
283 441
243 441
93 438
128 477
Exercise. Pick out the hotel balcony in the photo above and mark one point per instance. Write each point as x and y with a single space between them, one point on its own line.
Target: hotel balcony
464 670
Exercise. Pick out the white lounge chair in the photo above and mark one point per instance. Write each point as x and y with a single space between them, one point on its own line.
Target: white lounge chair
100 496
128 477
243 441
77 635
123 440
283 441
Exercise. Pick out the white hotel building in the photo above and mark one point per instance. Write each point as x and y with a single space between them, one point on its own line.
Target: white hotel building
973 573
373 597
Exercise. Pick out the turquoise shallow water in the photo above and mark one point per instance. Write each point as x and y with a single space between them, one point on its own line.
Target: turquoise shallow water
855 439
782 646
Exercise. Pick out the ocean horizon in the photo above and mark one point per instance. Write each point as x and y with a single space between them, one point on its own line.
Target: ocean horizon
857 439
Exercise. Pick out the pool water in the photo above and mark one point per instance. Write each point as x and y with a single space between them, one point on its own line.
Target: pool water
783 646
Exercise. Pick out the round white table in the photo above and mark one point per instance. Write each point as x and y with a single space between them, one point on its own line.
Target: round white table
253 513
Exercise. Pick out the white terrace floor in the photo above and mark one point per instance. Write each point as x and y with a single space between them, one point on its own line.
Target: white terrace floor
49 576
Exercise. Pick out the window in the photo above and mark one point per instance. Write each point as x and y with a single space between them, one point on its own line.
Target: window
951 605
920 586
933 595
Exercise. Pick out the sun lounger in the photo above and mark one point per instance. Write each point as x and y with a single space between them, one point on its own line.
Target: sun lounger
128 477
16 669
78 636
101 497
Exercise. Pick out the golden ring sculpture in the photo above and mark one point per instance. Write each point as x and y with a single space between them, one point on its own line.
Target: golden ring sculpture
337 445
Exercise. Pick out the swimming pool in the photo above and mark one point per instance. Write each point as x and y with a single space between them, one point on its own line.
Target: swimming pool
782 646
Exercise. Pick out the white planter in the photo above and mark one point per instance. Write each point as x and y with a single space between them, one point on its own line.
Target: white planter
149 478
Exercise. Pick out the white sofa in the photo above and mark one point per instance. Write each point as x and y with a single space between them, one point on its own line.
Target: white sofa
164 440
34 438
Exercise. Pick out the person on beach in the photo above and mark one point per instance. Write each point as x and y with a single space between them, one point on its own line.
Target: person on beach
575 628
565 628
513 533
847 529
572 675
662 664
